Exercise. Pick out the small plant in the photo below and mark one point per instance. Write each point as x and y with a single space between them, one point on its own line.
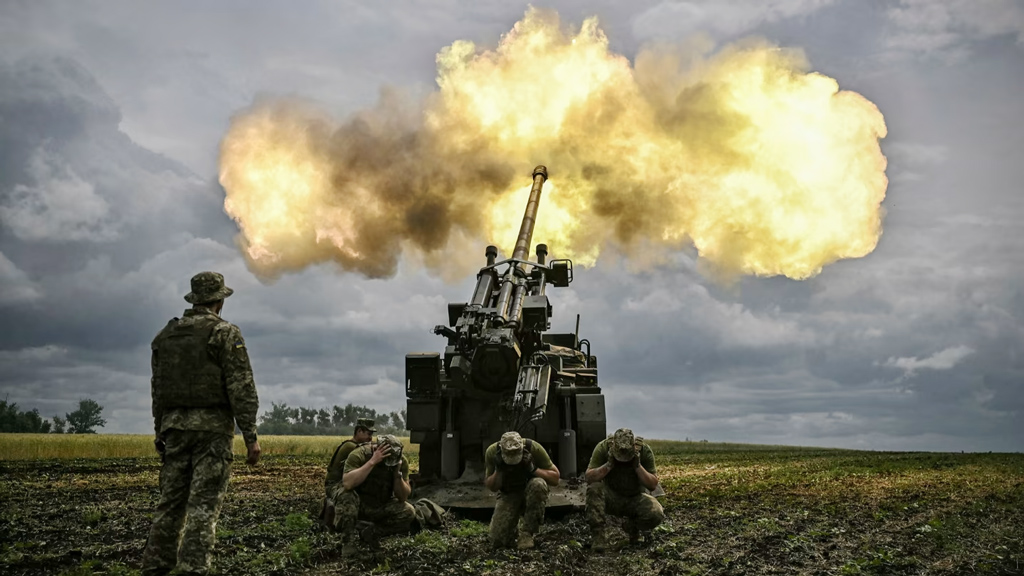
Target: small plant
468 529
297 522
299 551
430 541
91 516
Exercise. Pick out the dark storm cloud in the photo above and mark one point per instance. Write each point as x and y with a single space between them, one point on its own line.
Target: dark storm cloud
916 345
87 289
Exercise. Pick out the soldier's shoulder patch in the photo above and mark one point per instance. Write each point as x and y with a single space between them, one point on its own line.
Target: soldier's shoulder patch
239 344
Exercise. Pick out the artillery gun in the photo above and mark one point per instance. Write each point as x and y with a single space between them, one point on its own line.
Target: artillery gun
500 372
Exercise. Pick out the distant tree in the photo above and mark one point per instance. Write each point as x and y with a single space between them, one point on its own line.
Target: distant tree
337 416
336 421
8 416
277 420
33 423
307 416
323 418
59 424
86 418
14 420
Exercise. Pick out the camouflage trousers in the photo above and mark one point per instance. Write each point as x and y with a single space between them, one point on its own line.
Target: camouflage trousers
602 502
529 504
393 517
193 478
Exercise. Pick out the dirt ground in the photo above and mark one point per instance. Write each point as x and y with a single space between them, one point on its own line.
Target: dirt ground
731 510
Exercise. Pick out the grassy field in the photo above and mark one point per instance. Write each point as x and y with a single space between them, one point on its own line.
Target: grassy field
732 509
72 446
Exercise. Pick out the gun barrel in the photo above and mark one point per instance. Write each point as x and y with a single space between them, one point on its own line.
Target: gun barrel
522 250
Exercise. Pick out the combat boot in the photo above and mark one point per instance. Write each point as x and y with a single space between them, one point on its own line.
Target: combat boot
349 549
599 543
629 526
525 541
329 515
368 532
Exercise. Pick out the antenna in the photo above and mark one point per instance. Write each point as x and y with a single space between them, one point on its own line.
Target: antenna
577 330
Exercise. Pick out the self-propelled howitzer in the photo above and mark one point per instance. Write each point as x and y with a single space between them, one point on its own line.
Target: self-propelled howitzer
501 371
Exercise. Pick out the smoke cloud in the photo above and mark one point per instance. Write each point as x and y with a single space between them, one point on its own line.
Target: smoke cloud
763 166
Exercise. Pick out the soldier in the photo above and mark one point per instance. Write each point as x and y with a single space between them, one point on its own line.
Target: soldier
202 386
521 471
376 487
620 474
336 469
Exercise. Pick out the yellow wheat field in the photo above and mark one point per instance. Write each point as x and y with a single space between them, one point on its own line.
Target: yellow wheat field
70 446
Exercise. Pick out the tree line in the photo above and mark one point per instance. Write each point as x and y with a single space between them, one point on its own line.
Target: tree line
84 420
280 419
336 421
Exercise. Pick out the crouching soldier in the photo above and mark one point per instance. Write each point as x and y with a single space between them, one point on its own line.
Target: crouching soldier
373 502
521 471
362 434
620 474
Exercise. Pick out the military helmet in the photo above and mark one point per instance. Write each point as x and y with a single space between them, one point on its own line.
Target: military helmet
395 457
367 423
208 287
511 445
622 445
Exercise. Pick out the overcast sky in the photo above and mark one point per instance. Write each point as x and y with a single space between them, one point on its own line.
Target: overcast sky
110 118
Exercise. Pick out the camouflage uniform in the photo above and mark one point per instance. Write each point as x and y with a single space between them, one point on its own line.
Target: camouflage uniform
336 468
521 494
620 493
374 500
336 471
202 386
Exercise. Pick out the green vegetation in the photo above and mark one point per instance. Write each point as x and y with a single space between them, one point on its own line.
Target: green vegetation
13 419
732 509
85 420
336 421
467 529
66 447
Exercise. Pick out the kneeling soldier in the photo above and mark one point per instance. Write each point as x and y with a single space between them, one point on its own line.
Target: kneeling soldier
373 501
521 470
362 434
621 470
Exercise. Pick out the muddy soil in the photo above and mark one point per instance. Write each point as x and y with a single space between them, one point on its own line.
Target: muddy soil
735 512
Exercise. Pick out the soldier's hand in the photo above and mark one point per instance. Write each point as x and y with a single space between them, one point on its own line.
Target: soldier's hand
527 462
161 447
635 462
611 460
254 453
527 458
380 454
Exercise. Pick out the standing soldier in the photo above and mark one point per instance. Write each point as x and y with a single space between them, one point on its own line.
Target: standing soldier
376 487
336 469
202 386
521 471
620 473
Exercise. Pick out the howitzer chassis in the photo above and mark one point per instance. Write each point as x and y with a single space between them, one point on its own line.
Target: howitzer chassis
501 371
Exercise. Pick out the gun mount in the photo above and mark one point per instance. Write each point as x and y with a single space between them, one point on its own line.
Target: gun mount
501 371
